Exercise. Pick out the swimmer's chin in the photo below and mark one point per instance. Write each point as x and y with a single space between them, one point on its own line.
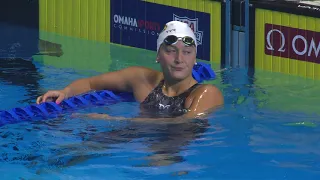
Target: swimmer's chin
178 76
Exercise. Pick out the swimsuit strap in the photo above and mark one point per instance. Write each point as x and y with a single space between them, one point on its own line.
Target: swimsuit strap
187 91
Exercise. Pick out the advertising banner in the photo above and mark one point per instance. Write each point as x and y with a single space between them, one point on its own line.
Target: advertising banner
138 23
285 54
285 37
293 43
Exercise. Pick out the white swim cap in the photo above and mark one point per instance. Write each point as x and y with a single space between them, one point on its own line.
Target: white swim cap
177 28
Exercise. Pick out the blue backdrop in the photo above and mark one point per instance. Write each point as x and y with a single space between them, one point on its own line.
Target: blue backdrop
137 23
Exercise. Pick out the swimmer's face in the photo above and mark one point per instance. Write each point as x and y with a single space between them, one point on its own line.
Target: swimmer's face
177 60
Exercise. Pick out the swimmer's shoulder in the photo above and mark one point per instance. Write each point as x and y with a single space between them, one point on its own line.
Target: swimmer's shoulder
205 92
208 89
147 75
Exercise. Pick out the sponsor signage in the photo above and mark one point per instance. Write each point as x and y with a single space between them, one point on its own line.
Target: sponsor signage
137 23
293 43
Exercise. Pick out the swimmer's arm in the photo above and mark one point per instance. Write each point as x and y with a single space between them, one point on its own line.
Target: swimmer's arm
180 119
204 100
121 80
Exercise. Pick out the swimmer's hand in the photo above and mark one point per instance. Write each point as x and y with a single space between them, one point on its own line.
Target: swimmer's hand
56 95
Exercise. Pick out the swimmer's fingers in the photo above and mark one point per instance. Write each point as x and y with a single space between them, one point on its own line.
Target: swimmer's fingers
39 99
60 98
52 94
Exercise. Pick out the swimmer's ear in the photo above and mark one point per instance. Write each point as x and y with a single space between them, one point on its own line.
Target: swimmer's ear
157 59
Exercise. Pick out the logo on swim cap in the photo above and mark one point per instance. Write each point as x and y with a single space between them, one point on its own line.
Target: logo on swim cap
176 28
193 24
165 27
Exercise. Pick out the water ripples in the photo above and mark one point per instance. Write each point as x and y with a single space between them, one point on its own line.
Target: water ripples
267 128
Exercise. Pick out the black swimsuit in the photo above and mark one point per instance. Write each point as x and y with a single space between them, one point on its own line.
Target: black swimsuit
158 104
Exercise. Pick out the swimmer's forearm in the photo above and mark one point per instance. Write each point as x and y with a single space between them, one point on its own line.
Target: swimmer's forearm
160 120
180 119
77 87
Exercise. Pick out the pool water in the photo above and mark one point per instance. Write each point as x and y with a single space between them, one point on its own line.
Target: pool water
268 128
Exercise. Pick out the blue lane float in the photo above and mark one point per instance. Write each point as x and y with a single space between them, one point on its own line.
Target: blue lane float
201 72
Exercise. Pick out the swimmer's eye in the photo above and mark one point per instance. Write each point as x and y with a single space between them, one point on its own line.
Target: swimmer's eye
187 52
170 50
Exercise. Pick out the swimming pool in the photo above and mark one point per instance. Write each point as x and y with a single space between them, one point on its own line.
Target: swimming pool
268 128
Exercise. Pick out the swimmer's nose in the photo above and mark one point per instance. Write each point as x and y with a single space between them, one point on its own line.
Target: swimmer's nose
179 57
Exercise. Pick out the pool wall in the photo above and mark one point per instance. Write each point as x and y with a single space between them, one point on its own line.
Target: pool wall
275 36
85 35
285 38
19 29
135 23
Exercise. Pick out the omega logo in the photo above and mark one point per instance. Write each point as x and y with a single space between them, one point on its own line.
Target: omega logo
292 43
283 41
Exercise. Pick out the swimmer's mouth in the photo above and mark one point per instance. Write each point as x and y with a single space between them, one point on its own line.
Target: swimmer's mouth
178 68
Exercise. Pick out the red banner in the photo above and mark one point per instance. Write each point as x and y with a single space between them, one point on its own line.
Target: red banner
293 43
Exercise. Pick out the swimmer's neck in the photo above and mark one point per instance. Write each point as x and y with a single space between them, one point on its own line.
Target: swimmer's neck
173 87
